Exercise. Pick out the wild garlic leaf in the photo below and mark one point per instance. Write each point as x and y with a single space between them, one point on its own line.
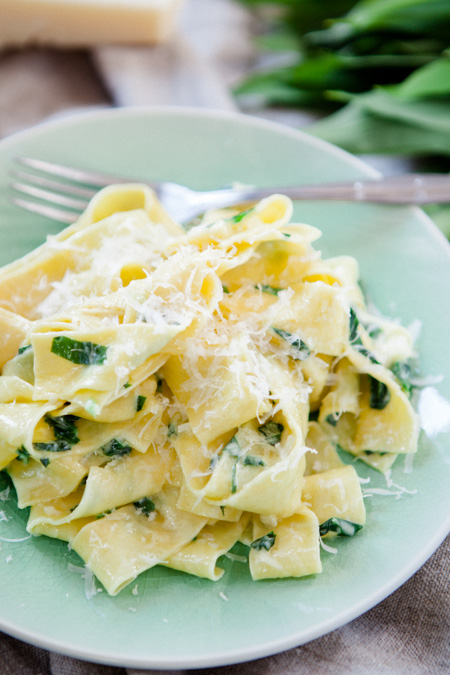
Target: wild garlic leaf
265 288
295 341
233 448
23 455
354 323
360 128
379 394
140 401
341 527
332 419
76 351
115 448
250 460
355 337
172 430
264 543
271 431
403 372
53 446
146 506
64 427
432 80
239 216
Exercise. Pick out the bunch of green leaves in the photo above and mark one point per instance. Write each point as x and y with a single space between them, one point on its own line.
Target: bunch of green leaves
345 46
411 118
379 69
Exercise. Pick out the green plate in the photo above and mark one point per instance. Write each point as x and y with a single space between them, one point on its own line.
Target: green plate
170 620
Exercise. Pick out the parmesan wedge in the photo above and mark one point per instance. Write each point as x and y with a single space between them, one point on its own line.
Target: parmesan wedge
80 23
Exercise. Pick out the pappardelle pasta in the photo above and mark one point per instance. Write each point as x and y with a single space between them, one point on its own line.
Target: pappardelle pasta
165 394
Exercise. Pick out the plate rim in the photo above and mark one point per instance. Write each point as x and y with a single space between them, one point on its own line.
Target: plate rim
70 118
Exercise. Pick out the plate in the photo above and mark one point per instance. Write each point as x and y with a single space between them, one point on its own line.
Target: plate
168 620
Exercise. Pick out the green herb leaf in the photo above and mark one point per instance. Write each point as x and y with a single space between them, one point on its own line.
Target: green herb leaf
433 79
264 543
264 288
403 371
23 455
365 352
379 394
213 462
239 216
296 342
140 402
53 446
26 348
172 430
389 127
374 331
355 337
45 461
332 419
115 448
233 448
343 528
233 476
82 353
354 323
250 460
64 428
145 506
313 416
272 432
102 515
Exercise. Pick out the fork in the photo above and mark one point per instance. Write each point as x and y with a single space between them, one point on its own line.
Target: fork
63 192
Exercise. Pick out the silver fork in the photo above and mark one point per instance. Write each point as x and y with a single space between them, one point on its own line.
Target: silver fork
61 192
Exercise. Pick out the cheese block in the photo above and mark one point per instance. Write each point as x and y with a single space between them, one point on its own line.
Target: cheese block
82 23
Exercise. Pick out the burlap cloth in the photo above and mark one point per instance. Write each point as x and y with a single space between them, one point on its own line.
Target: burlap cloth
409 632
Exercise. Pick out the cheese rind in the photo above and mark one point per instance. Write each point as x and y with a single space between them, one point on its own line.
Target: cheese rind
81 23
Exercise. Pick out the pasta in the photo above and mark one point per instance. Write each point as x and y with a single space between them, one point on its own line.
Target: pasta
165 394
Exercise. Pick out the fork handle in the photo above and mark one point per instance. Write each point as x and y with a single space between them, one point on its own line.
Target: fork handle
404 189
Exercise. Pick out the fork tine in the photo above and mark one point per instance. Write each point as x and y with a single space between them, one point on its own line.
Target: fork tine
60 215
43 182
78 175
48 196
